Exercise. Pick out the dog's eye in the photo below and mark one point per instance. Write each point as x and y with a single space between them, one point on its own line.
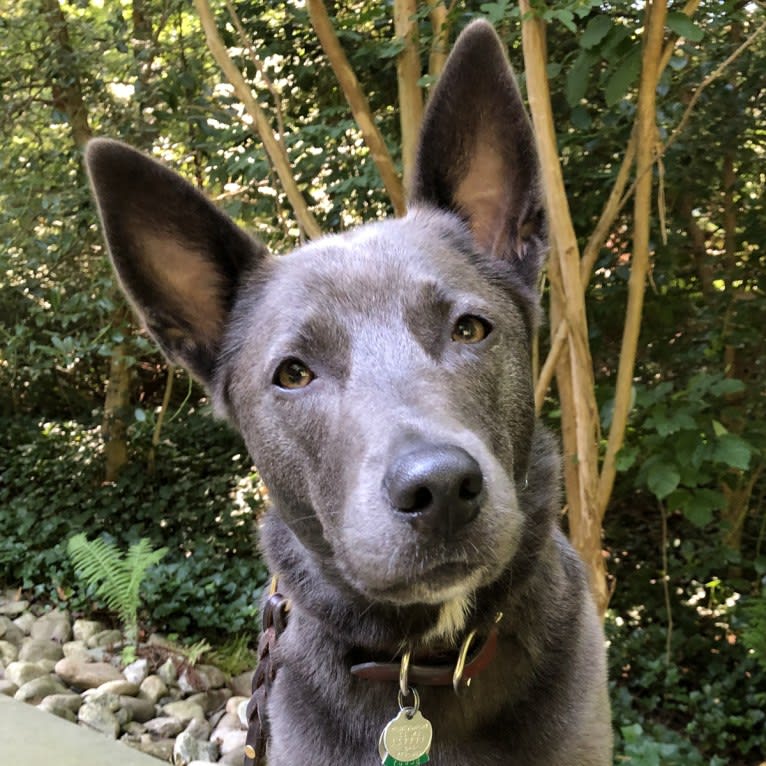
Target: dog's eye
470 329
292 373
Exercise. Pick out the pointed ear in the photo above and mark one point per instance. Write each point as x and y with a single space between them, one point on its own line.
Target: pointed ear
477 153
178 258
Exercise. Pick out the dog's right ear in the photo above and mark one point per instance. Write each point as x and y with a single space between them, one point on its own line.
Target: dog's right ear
178 257
477 155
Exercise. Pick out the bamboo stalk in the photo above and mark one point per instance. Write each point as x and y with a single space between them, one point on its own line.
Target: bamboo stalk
408 73
646 144
357 100
275 151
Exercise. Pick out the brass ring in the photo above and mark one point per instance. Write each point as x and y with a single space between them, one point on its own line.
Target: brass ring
457 676
404 669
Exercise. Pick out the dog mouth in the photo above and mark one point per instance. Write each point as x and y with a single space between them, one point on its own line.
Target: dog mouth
435 584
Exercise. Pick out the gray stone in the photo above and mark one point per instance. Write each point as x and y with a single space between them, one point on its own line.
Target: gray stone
241 685
8 652
168 673
24 622
104 638
65 701
76 650
230 741
8 688
152 688
86 675
99 718
164 726
187 749
201 763
229 722
199 728
233 703
159 748
82 630
235 758
137 671
212 700
21 672
54 626
37 689
10 632
134 729
47 665
119 686
12 608
184 711
34 649
200 678
140 709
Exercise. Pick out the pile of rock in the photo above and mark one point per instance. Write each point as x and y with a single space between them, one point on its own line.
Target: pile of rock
175 712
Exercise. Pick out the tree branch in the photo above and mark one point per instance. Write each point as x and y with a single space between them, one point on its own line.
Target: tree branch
274 149
357 100
646 142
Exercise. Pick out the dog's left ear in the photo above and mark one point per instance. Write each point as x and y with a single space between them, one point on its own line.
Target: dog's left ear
477 153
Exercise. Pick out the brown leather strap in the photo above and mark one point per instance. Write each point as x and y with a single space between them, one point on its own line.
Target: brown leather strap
431 675
274 622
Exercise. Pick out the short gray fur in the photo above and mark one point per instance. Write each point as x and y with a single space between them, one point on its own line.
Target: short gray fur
371 313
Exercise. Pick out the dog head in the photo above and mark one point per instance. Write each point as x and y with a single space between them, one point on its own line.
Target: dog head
380 378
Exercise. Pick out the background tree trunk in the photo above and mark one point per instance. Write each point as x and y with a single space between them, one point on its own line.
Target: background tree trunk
408 74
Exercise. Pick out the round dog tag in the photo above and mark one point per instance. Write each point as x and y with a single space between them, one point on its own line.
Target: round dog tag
407 738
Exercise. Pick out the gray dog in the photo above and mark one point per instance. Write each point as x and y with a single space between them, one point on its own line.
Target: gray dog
381 379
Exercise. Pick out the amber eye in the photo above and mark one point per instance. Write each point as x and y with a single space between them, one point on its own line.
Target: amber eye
292 373
470 329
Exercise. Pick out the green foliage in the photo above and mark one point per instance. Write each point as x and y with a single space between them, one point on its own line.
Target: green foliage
116 578
753 613
200 503
236 655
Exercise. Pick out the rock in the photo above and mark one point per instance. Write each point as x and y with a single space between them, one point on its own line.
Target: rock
8 688
242 684
199 728
134 729
8 652
100 718
37 689
187 749
34 649
184 711
82 630
76 650
53 626
136 672
230 722
168 673
233 703
12 608
230 741
22 672
201 763
86 675
119 686
65 701
159 748
200 678
104 638
141 710
212 700
24 622
152 688
47 665
164 726
234 758
10 632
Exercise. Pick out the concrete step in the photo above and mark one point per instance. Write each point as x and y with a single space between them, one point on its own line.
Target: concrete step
31 737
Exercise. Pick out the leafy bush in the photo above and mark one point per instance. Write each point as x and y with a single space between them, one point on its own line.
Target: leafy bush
200 503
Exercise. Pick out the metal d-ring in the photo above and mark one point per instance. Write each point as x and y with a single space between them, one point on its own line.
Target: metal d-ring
404 670
411 709
462 656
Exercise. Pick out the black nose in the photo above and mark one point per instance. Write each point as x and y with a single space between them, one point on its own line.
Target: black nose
439 487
